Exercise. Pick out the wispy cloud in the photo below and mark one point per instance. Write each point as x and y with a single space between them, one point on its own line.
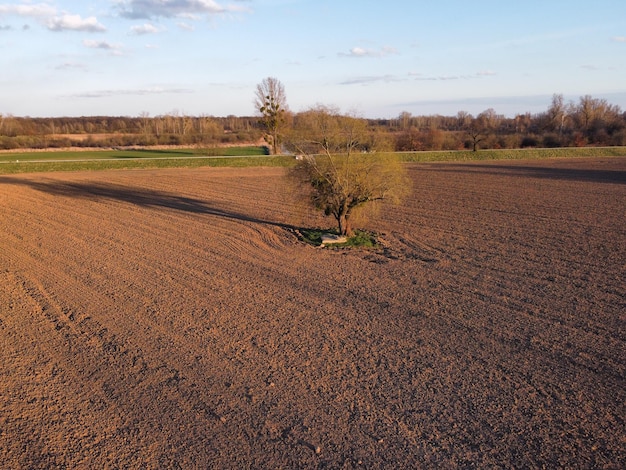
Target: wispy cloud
50 17
75 23
618 39
146 28
70 66
39 11
147 9
433 78
443 78
186 26
115 49
370 79
137 92
510 104
360 52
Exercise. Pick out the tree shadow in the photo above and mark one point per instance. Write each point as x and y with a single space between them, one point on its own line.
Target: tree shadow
568 174
138 197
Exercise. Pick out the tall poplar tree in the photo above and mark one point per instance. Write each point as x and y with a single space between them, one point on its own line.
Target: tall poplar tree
271 102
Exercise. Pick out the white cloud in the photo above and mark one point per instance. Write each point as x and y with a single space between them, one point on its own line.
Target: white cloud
443 78
41 10
146 28
186 26
156 90
146 9
359 52
97 44
618 39
54 21
115 49
70 66
370 79
75 23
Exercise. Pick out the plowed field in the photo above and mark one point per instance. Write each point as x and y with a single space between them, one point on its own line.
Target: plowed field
172 319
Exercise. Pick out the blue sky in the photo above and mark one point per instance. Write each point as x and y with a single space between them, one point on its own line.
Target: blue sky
375 58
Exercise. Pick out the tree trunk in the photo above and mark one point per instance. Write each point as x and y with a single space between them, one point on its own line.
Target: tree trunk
343 221
275 142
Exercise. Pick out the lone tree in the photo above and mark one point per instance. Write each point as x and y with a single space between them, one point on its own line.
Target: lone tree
475 131
271 102
342 178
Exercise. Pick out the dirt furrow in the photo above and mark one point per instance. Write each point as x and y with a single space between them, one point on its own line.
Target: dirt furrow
171 319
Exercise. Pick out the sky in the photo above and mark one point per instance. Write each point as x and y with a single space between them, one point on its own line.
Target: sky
372 58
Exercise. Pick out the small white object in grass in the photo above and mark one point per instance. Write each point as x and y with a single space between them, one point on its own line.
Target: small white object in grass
329 238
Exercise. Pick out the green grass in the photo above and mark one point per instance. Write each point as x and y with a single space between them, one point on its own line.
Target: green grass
238 151
132 154
512 154
362 239
314 236
28 162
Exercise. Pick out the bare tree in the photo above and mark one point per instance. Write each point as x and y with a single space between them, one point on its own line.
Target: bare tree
144 117
463 119
271 102
592 115
480 127
475 130
404 119
342 178
557 112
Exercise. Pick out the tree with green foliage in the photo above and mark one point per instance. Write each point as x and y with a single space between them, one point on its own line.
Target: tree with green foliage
342 178
271 102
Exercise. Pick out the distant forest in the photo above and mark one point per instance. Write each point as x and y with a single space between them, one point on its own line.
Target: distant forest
588 122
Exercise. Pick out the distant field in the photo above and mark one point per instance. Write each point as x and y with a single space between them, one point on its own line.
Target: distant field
72 160
512 154
37 155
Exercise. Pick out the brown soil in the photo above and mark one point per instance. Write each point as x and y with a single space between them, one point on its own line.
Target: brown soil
172 319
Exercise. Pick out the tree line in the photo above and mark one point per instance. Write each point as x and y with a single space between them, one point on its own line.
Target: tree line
590 121
586 122
118 131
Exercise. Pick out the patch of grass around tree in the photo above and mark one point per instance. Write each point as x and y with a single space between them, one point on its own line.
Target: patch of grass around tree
360 239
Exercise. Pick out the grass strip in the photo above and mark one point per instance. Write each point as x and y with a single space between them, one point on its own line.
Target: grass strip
240 157
237 162
511 154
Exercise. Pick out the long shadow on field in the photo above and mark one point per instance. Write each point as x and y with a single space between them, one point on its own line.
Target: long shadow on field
569 174
135 196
